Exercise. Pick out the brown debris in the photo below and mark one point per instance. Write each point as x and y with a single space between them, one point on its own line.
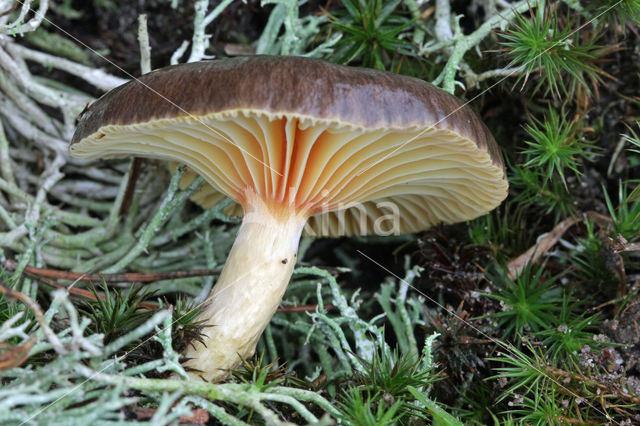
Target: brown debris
198 416
17 355
37 273
517 265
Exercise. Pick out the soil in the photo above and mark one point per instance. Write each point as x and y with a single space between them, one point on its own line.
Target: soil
110 27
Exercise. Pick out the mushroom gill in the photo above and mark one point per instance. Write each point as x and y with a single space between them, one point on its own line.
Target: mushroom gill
319 167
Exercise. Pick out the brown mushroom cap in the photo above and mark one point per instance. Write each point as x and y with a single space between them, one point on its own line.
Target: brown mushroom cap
305 134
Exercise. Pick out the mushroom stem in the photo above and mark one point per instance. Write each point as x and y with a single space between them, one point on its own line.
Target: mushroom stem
248 292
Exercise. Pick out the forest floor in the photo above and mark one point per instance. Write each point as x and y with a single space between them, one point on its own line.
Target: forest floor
528 315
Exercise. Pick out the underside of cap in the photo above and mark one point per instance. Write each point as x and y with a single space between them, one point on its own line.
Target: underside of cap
387 216
348 179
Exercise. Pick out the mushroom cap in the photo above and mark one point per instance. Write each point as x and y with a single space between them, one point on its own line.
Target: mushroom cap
342 144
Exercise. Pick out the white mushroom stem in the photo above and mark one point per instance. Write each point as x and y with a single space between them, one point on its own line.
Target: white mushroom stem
248 290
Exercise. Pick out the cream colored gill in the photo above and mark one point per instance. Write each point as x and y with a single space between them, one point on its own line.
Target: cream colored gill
231 151
168 146
452 176
356 173
144 146
313 164
261 154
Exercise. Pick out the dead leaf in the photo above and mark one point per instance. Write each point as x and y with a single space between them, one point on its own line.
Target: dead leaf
16 356
544 245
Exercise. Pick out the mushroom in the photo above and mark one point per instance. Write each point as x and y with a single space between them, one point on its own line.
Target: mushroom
295 140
